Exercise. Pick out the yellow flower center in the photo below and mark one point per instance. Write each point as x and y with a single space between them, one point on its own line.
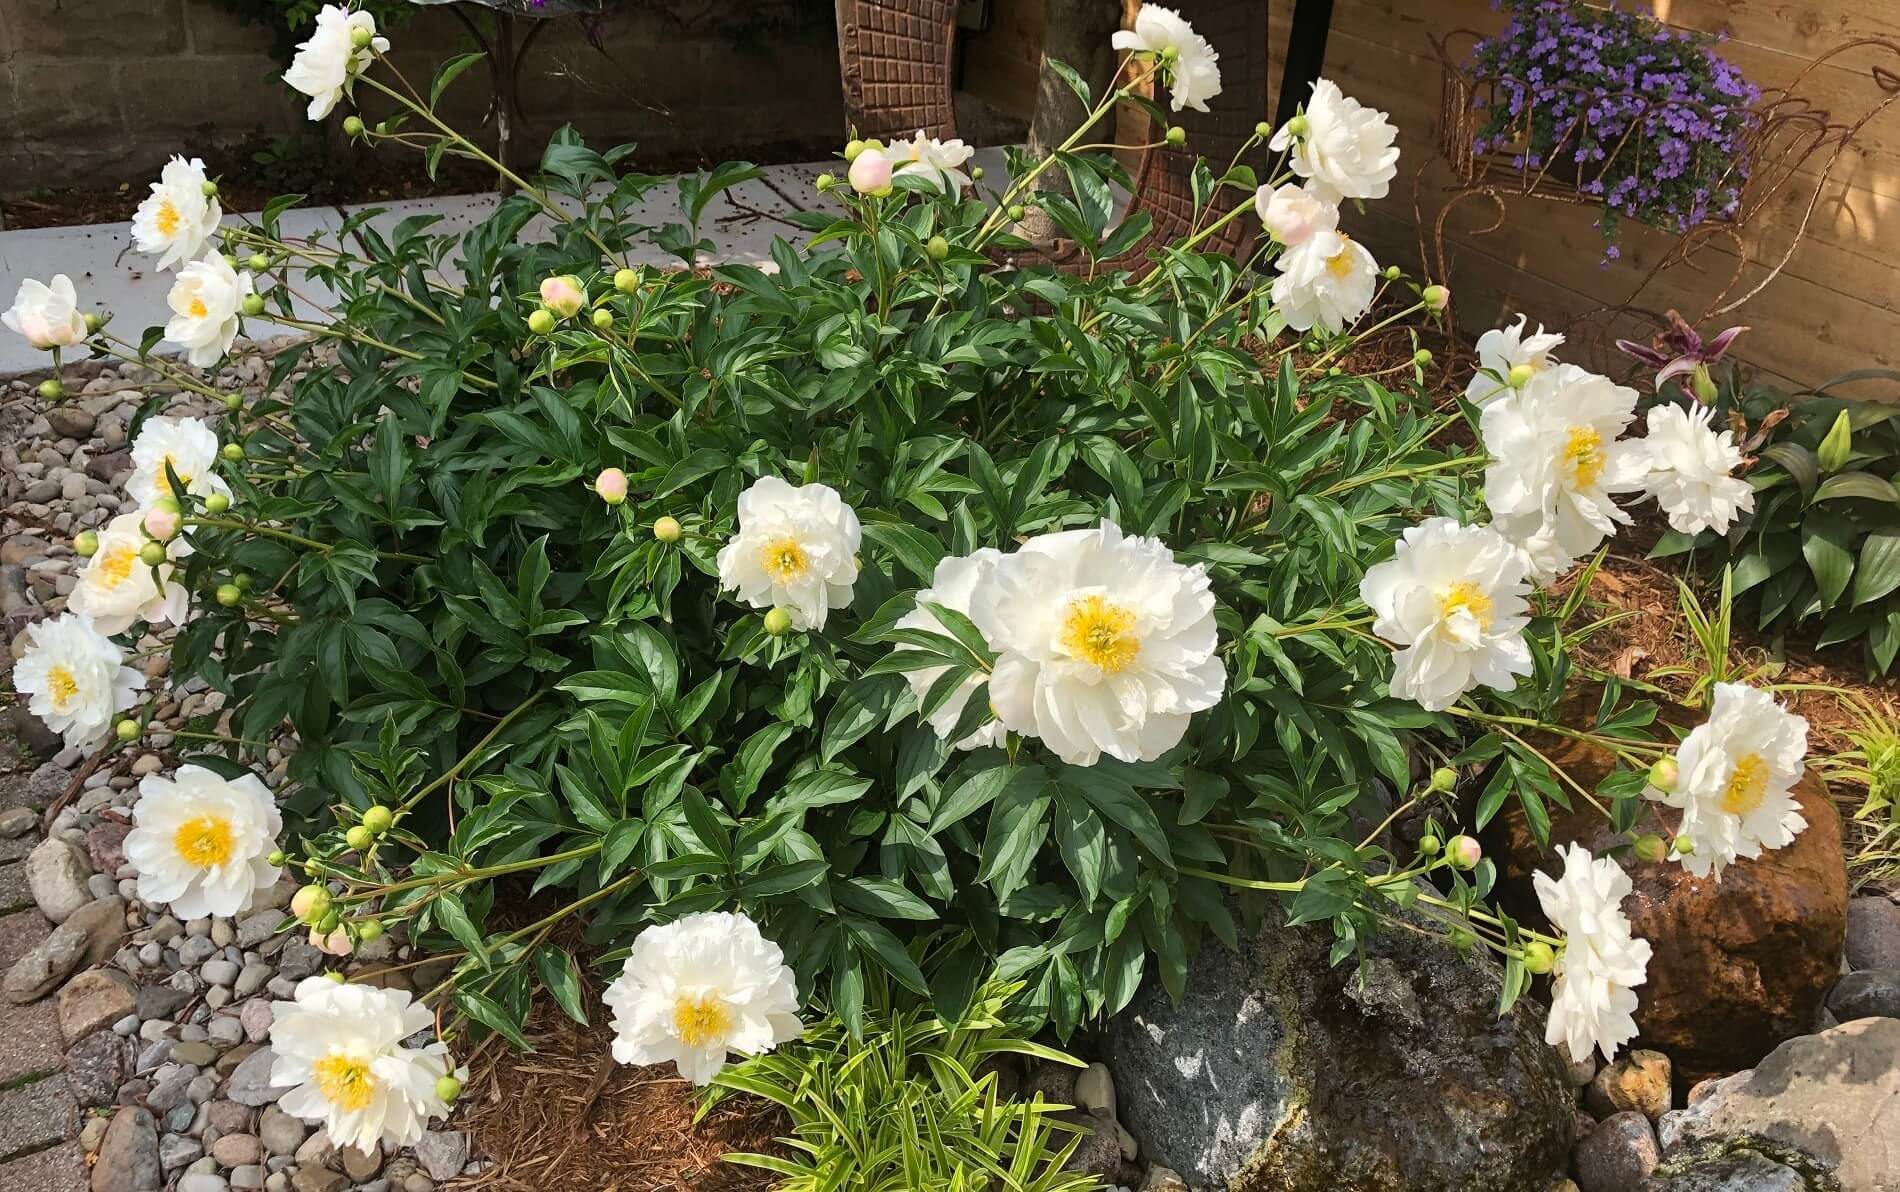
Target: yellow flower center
344 1081
1747 786
168 218
784 560
1470 598
115 566
204 841
1101 633
1583 451
167 465
1340 263
197 308
701 1020
64 688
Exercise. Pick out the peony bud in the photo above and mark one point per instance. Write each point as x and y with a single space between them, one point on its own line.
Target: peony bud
1015 213
1462 852
360 36
232 452
234 402
1176 135
244 581
369 930
352 126
626 280
336 942
86 544
1461 938
611 485
937 247
208 188
379 819
152 554
1291 214
229 595
1664 774
1436 298
51 389
563 295
94 321
217 503
603 319
1422 358
1297 127
870 173
976 173
1538 957
777 621
252 306
1520 375
1263 130
852 149
826 181
276 856
161 523
259 262
447 1088
540 322
1429 845
127 730
310 903
1444 778
1651 848
1685 846
667 529
359 838
1392 273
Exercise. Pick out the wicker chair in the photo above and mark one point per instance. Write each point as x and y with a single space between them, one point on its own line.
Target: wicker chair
895 58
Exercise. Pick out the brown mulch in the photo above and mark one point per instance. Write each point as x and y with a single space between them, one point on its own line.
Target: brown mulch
567 1117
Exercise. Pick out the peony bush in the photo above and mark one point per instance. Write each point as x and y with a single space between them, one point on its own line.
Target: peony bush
890 618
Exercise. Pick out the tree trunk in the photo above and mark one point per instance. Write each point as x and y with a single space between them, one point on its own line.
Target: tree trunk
1076 32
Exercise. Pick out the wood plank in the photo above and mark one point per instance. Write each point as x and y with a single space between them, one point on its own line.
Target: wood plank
1002 63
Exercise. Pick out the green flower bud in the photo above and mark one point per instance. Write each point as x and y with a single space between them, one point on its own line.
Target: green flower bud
447 1088
382 128
352 126
626 280
1651 848
1392 273
1176 135
310 903
1015 212
1170 53
232 452
1463 852
1538 957
259 262
252 306
234 402
152 554
51 389
1429 845
369 929
541 322
359 838
603 319
209 189
1685 846
229 595
1263 130
217 503
777 621
976 173
1444 778
937 247
1336 371
826 182
360 37
86 544
328 923
852 149
1297 127
667 529
127 730
1435 297
1664 774
244 581
230 258
94 321
1520 375
277 856
1422 358
379 819
1461 938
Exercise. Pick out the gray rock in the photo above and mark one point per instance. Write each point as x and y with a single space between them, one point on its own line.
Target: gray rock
1619 1154
171 1090
87 937
443 1153
176 1150
160 1001
250 1082
361 1165
1871 993
236 1150
317 1179
1835 1096
128 1157
1742 1163
196 950
94 1000
71 422
1873 933
219 972
299 959
1278 1070
282 1134
94 1067
202 1181
56 873
16 822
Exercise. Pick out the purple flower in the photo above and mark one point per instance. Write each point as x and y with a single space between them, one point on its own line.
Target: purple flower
1679 350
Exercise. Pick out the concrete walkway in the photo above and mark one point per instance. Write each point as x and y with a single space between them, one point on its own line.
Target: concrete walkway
108 273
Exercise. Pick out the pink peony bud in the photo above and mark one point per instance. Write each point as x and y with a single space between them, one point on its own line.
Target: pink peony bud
563 295
161 524
1463 852
1292 215
611 485
337 943
871 173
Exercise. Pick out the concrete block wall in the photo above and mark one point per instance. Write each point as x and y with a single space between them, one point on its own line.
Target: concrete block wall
98 92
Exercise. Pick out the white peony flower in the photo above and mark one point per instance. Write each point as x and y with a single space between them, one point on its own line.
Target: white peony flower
1543 559
695 990
1504 348
74 679
177 218
340 1053
1328 282
1593 999
188 446
325 63
47 315
1557 460
796 548
1293 215
200 842
1690 470
1193 71
1106 644
1345 150
940 161
952 586
1453 596
116 587
204 302
1736 776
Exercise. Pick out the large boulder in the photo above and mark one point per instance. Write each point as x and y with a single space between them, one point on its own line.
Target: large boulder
1739 965
1744 1163
1279 1072
1834 1096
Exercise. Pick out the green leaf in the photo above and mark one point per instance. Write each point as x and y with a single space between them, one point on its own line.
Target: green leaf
1878 571
560 978
447 74
1825 544
1863 485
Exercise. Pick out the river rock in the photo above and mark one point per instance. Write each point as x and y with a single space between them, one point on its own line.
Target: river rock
1638 1080
1279 1072
1618 1155
443 1153
1874 993
1835 1096
56 873
1744 1163
128 1157
94 1067
1739 965
88 936
250 1082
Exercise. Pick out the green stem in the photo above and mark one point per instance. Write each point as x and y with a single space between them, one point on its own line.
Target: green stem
284 536
450 774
